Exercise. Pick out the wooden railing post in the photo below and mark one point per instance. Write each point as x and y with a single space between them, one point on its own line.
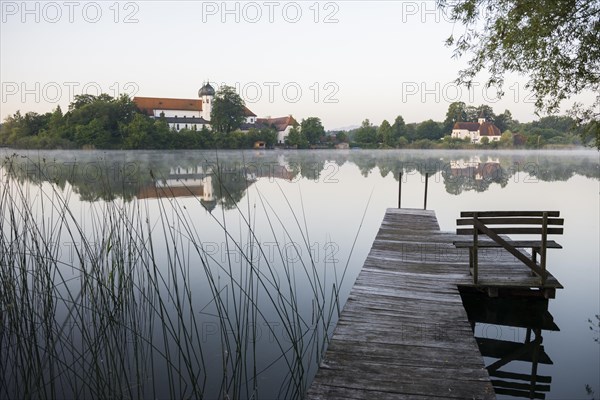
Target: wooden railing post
426 181
400 190
544 244
475 250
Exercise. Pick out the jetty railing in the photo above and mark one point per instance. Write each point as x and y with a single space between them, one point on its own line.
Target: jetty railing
400 190
495 223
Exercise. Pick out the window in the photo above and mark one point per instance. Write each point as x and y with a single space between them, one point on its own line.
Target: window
177 127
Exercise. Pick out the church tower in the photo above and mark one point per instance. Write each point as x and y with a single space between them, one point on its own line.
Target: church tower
207 95
481 118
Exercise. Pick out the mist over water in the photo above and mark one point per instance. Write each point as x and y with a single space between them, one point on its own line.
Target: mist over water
291 219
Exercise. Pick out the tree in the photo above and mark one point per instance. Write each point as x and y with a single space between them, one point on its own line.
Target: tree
457 112
296 138
228 110
399 128
485 111
341 137
265 134
471 113
385 133
591 131
504 121
136 133
411 131
506 140
429 130
367 133
93 134
81 100
554 43
312 129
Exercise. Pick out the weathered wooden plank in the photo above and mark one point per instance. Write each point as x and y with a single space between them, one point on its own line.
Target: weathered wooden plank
511 221
448 388
327 392
551 244
515 231
517 282
411 354
403 332
509 213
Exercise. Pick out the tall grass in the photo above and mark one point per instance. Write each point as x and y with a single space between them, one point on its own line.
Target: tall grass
108 299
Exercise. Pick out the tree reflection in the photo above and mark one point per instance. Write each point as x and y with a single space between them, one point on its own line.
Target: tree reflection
127 175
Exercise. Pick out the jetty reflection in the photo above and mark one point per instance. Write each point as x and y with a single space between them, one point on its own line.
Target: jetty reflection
490 317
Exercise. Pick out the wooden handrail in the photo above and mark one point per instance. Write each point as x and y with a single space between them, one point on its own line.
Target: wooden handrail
482 222
510 213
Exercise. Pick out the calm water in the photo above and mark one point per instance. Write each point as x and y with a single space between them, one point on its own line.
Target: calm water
299 226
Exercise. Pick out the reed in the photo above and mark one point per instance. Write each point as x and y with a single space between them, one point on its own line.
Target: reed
108 299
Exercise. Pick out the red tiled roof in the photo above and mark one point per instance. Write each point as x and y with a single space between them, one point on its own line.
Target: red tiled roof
485 129
470 126
148 104
489 129
280 123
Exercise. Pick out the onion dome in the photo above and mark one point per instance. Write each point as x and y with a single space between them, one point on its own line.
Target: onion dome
206 90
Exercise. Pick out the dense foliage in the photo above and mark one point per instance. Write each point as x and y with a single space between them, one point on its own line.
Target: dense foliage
104 122
550 131
554 43
228 110
310 133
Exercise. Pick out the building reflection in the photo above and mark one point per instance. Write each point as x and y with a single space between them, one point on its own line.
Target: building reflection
183 182
210 183
98 175
476 169
490 318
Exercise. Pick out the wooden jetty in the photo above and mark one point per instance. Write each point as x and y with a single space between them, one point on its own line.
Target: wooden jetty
403 332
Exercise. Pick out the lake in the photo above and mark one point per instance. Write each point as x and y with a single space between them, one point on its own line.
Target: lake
175 274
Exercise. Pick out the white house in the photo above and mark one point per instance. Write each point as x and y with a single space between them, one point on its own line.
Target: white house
185 113
475 131
283 125
195 114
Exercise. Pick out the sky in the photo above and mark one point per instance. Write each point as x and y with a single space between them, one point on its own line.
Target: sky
341 61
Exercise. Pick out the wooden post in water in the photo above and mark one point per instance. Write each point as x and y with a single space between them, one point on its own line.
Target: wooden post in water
399 190
425 200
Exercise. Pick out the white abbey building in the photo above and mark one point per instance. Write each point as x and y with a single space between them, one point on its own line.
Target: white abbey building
194 114
185 113
476 131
